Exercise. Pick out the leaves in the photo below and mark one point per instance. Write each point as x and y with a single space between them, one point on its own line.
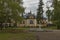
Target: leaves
40 11
56 16
10 9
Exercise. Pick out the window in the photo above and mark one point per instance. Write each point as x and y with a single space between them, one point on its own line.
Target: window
31 22
23 22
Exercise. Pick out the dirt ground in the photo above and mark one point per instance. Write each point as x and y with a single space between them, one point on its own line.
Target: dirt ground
55 35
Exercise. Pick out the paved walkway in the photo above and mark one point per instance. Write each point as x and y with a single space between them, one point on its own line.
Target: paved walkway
40 30
55 35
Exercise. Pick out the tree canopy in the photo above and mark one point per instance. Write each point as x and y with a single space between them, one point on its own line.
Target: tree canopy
56 16
40 11
10 9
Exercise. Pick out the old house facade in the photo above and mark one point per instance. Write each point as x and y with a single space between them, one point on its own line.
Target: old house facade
30 21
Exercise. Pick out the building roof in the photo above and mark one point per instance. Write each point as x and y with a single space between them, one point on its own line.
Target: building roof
28 15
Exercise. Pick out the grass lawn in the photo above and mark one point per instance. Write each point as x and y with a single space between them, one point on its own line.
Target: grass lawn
18 28
17 36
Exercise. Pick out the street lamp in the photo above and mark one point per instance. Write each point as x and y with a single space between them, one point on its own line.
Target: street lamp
39 25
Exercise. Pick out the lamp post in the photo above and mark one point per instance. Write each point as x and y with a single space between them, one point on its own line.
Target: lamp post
39 25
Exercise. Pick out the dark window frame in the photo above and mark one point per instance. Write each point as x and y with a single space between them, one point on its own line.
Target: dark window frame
31 22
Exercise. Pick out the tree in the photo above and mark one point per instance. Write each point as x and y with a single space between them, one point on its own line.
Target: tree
10 9
40 11
56 16
49 13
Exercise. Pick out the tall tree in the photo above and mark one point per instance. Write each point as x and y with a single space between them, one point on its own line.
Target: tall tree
10 9
49 13
40 11
56 16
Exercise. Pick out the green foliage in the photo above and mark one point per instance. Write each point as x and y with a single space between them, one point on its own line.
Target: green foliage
40 11
49 14
56 16
10 9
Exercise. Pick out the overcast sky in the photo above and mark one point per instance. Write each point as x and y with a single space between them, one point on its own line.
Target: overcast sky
33 5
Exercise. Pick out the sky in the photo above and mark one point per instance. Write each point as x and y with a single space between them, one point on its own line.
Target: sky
32 5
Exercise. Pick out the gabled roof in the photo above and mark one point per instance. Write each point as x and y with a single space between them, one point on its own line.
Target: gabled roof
28 15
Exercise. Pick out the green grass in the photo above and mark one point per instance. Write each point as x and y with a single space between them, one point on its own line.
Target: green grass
18 28
17 36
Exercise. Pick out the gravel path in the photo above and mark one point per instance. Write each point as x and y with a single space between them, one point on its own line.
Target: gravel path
55 35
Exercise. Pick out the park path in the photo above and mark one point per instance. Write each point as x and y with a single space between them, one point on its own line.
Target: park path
55 35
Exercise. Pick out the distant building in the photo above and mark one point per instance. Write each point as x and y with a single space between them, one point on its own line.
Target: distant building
30 21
